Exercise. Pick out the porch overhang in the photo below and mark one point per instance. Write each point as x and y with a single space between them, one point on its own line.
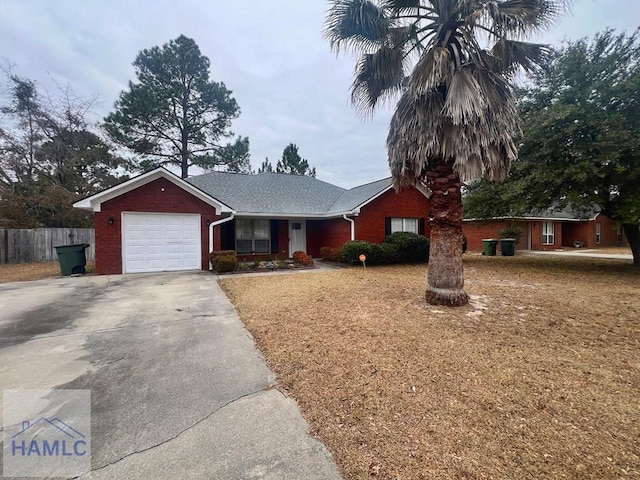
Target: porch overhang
295 216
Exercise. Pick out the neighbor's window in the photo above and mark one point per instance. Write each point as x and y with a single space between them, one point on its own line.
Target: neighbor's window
404 225
598 232
547 233
252 235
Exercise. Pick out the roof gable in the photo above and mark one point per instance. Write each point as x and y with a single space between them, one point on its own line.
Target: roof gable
357 197
94 202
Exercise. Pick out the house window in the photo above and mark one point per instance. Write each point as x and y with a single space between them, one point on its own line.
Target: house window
619 235
252 236
598 232
548 233
404 225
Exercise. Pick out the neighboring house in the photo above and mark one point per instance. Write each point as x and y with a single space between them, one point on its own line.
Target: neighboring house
550 229
160 222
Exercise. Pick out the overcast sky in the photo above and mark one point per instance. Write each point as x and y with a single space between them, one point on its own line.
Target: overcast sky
271 54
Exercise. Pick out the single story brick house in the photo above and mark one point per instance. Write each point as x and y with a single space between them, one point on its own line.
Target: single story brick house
550 229
159 222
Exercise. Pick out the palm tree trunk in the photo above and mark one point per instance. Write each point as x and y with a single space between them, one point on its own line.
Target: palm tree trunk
445 276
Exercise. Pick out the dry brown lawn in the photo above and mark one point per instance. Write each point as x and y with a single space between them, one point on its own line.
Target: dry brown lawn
538 378
22 272
614 250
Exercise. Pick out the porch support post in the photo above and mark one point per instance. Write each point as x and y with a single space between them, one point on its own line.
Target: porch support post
213 224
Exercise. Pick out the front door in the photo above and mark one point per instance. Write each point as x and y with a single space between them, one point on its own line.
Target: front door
297 236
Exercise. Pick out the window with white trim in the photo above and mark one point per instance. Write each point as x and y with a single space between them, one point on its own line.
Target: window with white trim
404 225
253 235
598 232
548 233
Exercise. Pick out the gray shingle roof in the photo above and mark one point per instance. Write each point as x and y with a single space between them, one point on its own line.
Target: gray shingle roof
565 213
284 194
355 197
554 213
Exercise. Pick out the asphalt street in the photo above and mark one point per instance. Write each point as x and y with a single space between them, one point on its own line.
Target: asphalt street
178 389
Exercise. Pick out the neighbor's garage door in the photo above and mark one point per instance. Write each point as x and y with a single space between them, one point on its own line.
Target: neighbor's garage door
158 242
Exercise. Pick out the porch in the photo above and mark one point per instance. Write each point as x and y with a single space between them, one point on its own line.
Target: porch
260 238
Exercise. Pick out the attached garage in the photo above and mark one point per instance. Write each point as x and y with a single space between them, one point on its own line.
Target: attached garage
155 222
160 242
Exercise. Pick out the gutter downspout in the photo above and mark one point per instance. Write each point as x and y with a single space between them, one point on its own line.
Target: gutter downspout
213 224
353 226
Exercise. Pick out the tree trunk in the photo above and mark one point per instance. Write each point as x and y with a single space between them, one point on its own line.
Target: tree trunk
184 130
184 155
632 232
185 169
446 275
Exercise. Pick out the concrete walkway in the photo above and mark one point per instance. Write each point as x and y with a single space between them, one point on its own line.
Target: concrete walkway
178 389
591 253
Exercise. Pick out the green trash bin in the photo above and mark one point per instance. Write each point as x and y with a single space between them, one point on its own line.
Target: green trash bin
72 258
489 246
508 247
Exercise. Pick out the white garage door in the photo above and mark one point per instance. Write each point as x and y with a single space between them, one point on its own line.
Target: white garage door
160 242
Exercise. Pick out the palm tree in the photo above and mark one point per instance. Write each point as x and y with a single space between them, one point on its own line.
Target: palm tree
451 63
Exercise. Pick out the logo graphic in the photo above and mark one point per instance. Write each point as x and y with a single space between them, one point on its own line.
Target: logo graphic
62 439
46 433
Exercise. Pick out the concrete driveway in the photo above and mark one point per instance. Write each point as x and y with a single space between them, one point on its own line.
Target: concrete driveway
178 389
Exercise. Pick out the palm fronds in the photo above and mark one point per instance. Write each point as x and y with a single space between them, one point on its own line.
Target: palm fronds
456 103
520 17
358 24
510 55
378 75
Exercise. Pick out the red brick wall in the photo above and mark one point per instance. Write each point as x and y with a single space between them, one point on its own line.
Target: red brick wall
536 236
609 235
217 239
566 233
569 232
370 224
160 196
326 233
575 232
476 231
408 203
586 232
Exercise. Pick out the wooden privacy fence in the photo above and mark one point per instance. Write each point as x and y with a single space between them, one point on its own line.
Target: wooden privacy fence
38 244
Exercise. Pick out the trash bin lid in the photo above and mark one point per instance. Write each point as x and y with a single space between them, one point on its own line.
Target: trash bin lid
75 246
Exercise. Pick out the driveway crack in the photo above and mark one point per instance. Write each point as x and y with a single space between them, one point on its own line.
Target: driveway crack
195 424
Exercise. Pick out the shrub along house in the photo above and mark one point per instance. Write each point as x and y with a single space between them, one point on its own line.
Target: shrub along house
160 222
550 229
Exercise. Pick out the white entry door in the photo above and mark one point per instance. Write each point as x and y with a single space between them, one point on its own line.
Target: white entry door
160 242
297 236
